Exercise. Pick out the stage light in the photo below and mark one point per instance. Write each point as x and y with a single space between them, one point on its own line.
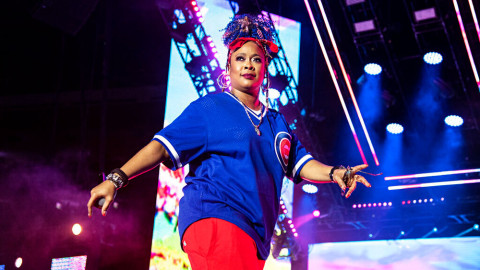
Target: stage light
354 206
374 204
309 188
370 235
195 9
273 93
402 233
454 120
389 203
316 213
18 262
414 201
364 205
373 69
295 234
194 3
475 227
425 14
364 26
442 199
435 229
291 226
76 229
395 128
403 202
353 2
433 58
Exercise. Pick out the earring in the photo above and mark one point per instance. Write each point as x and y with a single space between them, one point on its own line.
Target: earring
223 81
265 89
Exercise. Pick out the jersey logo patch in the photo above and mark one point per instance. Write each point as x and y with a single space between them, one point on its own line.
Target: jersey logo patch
282 148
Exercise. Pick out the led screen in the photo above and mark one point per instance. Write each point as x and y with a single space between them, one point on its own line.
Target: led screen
69 263
425 253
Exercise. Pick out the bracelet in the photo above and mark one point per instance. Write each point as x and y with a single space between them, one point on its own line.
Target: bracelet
347 176
118 178
333 170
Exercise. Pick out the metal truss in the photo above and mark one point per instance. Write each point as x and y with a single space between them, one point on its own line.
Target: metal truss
193 44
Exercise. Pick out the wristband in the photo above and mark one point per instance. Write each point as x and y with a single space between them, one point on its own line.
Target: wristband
333 170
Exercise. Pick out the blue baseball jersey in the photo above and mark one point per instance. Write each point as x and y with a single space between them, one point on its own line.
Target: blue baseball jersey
235 175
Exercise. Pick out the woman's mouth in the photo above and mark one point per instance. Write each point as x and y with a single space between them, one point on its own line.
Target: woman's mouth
248 76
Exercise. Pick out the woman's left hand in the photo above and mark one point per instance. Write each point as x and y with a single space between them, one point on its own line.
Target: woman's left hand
348 180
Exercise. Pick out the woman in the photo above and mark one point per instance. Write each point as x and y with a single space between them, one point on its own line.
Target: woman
239 152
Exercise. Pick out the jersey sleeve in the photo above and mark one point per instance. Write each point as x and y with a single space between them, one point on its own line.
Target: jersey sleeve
298 158
186 137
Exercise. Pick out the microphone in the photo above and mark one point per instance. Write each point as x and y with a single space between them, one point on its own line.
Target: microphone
100 202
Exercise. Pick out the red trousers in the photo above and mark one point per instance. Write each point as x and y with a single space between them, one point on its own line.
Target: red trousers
213 244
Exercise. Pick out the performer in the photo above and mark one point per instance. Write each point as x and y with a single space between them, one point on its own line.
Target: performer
239 152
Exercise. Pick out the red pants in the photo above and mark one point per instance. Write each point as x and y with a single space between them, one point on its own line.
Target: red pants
214 244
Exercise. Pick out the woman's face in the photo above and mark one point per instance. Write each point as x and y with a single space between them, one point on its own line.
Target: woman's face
247 68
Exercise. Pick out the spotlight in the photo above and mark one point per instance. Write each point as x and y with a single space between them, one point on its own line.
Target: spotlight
18 262
273 93
454 120
435 229
309 188
402 233
370 235
295 234
475 227
433 58
316 213
373 69
395 128
76 229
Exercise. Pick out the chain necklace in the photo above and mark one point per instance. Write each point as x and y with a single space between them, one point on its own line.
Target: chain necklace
251 121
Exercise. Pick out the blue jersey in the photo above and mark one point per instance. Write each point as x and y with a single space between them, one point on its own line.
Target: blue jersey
235 175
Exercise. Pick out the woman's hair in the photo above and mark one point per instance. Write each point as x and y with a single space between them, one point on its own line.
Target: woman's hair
247 27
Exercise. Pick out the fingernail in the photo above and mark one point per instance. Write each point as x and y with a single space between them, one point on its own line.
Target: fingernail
104 213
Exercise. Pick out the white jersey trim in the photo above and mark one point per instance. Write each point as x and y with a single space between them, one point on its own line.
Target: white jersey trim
172 150
252 112
300 163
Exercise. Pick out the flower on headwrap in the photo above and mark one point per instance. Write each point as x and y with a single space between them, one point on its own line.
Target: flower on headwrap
244 28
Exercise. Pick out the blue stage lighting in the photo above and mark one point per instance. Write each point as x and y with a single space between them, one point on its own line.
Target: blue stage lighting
433 58
309 188
373 69
475 227
395 128
435 229
454 120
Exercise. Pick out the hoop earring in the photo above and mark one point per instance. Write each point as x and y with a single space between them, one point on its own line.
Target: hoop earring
222 81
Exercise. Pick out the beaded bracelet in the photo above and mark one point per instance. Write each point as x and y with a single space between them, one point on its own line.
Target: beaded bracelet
118 178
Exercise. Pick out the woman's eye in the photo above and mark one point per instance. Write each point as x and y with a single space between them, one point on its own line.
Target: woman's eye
239 58
258 60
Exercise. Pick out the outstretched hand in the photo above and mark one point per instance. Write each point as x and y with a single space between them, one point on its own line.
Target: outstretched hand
350 181
104 190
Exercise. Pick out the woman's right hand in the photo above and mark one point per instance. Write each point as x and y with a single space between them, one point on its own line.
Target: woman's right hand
104 190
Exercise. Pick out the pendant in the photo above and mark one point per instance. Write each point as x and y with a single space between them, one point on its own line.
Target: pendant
258 131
